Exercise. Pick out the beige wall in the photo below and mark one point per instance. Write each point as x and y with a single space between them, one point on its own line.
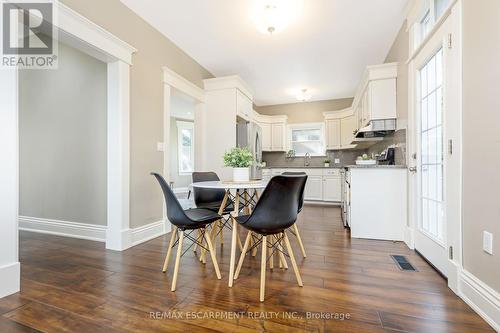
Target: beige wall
146 101
62 140
481 143
309 112
399 53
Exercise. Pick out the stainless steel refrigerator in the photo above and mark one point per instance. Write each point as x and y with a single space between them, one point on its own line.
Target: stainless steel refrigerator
249 134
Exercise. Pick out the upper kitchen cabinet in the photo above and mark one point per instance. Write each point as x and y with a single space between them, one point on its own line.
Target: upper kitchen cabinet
376 96
273 132
333 134
244 106
340 127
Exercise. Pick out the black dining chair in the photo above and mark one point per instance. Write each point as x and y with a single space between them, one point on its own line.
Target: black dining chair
274 213
215 200
184 223
301 205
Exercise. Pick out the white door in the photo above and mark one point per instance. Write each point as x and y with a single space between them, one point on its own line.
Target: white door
314 188
435 74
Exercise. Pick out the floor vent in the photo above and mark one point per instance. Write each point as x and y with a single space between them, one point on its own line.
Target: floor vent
403 263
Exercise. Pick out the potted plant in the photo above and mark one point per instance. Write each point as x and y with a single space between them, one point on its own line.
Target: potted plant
240 159
327 163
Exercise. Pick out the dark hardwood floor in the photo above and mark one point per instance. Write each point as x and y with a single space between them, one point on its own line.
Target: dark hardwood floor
71 285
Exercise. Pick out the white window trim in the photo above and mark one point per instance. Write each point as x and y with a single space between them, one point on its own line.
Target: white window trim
304 126
180 126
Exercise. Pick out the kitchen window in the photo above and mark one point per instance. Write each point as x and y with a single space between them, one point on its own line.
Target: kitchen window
307 138
185 147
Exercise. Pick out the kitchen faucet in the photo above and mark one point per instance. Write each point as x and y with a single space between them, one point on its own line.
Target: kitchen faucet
307 159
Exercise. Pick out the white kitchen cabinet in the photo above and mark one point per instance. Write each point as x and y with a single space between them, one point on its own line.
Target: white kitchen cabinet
376 96
314 188
266 136
244 105
339 129
273 132
333 133
332 188
347 130
278 131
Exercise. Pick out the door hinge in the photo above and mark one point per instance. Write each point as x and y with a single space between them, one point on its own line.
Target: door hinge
450 147
451 253
449 41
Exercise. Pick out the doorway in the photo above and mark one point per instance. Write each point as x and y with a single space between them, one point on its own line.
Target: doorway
181 150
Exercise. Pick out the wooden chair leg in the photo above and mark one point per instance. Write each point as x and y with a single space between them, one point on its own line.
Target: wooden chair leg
212 254
299 239
242 256
221 230
195 247
233 252
177 260
292 259
254 250
271 258
263 268
281 255
169 251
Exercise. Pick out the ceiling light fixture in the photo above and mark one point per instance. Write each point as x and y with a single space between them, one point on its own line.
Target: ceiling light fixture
272 16
303 95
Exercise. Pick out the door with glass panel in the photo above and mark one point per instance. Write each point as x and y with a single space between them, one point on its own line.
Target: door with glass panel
430 238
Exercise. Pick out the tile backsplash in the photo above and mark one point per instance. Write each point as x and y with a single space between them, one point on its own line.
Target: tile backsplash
346 157
278 159
398 140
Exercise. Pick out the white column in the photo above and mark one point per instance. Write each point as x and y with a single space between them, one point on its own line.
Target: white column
167 95
118 232
199 137
9 183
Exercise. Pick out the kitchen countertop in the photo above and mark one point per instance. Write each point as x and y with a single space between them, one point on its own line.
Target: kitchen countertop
303 167
376 166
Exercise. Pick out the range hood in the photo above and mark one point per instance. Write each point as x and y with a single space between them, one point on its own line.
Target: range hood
376 130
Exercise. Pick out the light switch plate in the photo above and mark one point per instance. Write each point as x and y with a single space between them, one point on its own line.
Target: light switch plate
160 146
337 160
488 242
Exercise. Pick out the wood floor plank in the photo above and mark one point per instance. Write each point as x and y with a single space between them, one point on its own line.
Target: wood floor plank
71 285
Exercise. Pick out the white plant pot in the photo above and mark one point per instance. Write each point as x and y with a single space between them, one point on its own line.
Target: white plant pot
241 174
327 165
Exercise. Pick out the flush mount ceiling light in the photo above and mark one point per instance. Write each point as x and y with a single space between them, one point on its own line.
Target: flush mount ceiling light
273 16
303 95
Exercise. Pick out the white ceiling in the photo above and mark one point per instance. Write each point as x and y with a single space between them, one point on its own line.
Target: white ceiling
324 48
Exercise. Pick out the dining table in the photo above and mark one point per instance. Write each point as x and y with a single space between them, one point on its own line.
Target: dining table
244 196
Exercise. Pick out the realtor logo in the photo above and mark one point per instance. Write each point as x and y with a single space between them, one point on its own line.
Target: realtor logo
28 34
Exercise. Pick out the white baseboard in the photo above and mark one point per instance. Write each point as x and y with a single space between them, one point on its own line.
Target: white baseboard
481 298
408 238
10 279
147 232
129 237
63 228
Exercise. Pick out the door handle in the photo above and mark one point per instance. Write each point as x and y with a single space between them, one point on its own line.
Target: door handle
412 169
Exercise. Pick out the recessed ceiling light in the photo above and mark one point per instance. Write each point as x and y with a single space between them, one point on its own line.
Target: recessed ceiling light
303 95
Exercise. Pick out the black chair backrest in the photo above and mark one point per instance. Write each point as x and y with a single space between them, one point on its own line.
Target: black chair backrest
293 173
206 195
175 213
277 207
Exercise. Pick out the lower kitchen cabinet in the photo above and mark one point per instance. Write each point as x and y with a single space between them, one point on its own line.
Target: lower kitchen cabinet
314 188
323 184
331 188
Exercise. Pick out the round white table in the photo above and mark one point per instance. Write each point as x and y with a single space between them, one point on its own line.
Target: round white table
245 193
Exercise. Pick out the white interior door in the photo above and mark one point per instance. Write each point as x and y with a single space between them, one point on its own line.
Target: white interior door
436 123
